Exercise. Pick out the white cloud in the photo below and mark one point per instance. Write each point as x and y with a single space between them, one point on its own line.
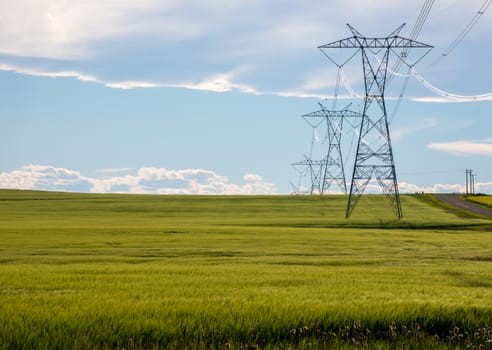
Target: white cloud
153 180
480 187
252 177
373 187
217 83
464 147
113 170
126 85
55 74
278 39
406 187
67 30
483 187
433 99
43 177
79 76
436 99
302 94
145 180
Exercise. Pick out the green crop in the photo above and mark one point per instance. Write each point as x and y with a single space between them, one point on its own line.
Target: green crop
481 199
215 272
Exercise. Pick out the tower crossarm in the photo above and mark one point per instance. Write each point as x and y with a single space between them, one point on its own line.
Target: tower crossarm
356 42
324 113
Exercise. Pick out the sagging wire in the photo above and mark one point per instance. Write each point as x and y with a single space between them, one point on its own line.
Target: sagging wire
337 89
417 28
463 33
347 84
433 88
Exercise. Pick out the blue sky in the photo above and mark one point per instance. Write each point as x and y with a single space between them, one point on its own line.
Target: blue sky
206 97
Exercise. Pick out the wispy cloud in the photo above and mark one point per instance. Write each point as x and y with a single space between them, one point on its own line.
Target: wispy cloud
223 82
79 76
252 177
216 83
61 30
199 42
219 83
143 180
435 99
50 74
113 170
483 148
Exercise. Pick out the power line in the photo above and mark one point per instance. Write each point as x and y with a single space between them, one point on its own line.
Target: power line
412 72
436 90
463 33
417 28
468 28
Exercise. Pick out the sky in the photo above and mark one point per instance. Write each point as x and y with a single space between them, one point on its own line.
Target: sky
207 97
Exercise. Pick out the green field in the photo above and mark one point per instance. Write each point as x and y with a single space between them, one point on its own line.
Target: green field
481 199
85 271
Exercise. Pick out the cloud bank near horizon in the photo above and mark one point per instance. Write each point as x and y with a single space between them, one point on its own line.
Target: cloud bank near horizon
146 180
154 180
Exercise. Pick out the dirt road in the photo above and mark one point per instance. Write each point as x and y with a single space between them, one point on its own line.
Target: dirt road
459 203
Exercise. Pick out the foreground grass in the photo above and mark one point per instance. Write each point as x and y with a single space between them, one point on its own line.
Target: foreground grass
116 271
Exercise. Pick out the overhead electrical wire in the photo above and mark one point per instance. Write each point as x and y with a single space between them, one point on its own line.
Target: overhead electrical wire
347 84
341 77
394 71
456 97
337 88
467 28
340 66
417 28
451 47
462 34
427 84
413 73
423 15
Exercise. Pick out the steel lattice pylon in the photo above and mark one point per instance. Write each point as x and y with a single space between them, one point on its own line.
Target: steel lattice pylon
315 171
333 169
374 157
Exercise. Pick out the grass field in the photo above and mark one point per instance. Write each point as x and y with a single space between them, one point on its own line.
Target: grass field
197 272
481 199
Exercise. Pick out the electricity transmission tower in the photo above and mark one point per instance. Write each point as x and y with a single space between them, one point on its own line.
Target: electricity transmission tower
333 171
315 168
374 156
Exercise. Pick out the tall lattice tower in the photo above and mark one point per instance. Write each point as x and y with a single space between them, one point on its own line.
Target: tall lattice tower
315 168
333 166
374 155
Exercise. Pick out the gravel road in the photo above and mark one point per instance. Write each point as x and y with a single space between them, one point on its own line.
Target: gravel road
459 203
